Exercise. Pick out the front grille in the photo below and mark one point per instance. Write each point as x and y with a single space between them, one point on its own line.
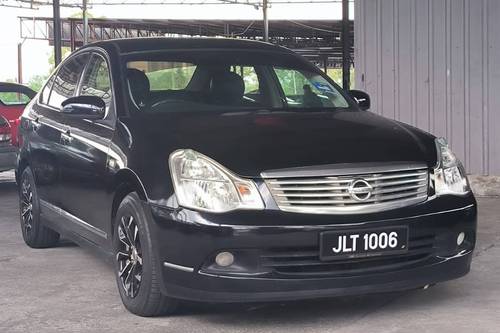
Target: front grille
306 261
348 194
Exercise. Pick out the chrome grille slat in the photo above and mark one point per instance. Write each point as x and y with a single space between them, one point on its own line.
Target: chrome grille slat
310 181
351 209
400 182
300 183
318 188
343 194
331 194
399 189
395 176
333 180
314 195
385 198
327 204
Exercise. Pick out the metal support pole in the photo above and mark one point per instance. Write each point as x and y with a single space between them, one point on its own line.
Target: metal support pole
266 20
20 63
57 31
72 35
85 23
346 47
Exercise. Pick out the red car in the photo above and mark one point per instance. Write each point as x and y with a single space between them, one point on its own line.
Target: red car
13 99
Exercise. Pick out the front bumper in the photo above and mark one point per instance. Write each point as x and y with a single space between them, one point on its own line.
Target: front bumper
8 156
187 251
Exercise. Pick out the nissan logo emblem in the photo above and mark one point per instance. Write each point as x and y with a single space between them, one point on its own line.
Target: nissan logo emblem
360 190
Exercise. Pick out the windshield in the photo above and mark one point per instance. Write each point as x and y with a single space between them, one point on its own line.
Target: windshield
227 80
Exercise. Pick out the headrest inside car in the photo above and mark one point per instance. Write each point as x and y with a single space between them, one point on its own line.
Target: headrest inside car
227 88
139 86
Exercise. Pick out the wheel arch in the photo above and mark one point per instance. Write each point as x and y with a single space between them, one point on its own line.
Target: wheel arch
21 165
125 182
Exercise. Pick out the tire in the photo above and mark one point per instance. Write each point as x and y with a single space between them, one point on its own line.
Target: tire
136 263
35 234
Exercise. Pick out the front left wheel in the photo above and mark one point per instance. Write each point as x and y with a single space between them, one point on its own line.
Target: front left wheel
136 263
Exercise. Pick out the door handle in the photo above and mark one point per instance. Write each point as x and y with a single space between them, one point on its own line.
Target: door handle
66 137
35 124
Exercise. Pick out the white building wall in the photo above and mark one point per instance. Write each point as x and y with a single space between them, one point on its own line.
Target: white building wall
435 64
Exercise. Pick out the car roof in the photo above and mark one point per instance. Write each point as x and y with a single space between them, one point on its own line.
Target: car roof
16 87
129 45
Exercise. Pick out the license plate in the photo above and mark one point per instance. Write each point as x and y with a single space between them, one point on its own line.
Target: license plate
363 243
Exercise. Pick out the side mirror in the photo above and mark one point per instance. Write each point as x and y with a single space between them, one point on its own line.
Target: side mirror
85 107
362 98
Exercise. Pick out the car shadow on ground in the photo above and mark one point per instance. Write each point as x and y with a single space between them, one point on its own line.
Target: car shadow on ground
309 312
7 187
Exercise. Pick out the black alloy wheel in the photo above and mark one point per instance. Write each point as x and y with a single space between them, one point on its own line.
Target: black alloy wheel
35 234
26 206
136 263
129 256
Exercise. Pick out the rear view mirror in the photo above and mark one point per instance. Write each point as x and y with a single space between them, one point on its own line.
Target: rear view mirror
362 98
85 107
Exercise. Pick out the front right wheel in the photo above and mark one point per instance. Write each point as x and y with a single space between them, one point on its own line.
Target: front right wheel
136 262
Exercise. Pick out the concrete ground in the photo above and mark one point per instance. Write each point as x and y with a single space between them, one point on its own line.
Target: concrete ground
69 289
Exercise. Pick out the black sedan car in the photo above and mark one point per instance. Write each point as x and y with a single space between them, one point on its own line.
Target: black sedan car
235 171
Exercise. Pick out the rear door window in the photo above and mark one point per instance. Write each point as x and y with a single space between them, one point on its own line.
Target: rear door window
96 80
253 91
66 80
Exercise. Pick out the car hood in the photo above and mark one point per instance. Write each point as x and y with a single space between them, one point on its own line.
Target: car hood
250 143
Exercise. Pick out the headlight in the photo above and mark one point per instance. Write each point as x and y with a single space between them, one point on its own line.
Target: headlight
449 174
203 184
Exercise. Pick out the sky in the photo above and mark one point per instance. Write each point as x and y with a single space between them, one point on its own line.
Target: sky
36 53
